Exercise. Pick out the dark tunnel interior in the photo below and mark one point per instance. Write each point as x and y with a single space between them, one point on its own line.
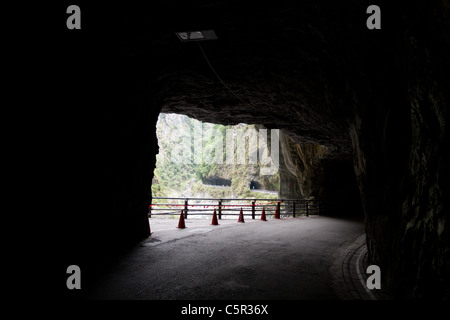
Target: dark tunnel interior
376 100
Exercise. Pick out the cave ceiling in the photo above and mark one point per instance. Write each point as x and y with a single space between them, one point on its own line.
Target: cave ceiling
285 65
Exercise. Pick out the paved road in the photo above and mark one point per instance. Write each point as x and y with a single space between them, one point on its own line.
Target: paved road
278 259
264 191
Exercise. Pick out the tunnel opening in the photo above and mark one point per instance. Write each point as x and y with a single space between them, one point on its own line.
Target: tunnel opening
255 185
214 181
194 162
206 160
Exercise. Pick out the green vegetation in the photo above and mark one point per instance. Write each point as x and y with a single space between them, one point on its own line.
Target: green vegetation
178 175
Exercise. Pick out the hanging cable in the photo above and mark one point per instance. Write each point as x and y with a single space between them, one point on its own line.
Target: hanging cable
228 88
220 79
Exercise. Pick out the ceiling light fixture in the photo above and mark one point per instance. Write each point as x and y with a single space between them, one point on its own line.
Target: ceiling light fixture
196 35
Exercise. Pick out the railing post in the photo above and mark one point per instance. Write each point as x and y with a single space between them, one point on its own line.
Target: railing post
220 209
307 209
253 209
185 208
293 209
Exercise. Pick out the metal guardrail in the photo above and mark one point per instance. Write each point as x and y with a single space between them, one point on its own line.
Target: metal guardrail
230 207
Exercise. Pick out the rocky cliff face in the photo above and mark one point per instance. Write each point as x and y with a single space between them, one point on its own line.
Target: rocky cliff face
192 153
377 100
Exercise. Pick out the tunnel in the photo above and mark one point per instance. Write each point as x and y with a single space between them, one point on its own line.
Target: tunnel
214 181
255 185
365 112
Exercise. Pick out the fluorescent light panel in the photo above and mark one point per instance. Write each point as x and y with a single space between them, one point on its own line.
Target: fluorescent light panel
196 35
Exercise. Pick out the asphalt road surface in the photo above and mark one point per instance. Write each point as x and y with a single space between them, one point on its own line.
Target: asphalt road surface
278 259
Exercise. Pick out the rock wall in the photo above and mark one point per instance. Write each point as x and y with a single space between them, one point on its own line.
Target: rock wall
399 155
317 175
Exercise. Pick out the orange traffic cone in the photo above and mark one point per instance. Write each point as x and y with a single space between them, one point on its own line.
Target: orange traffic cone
214 219
263 215
277 214
241 216
181 224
